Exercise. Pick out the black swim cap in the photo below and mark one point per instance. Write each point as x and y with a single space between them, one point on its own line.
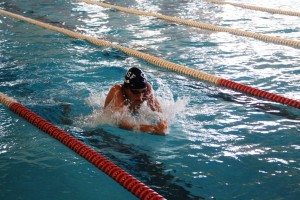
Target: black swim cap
135 79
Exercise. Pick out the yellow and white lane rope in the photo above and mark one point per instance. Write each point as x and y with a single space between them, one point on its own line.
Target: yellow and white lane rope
277 40
149 58
162 63
270 10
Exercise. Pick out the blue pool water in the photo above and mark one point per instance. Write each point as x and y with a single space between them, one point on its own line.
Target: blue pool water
221 144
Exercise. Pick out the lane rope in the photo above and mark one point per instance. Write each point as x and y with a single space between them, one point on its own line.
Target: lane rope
166 64
130 183
267 38
258 8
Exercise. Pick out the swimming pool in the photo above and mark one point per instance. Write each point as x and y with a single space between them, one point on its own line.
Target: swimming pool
221 144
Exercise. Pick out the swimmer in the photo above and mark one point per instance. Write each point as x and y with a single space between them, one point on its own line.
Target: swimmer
131 94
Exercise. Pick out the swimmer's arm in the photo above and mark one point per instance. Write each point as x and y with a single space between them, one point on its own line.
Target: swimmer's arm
154 104
159 129
114 98
152 101
109 97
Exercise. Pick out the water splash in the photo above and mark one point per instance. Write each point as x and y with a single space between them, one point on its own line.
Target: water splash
170 110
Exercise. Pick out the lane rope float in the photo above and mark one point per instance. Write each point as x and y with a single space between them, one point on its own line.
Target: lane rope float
130 183
166 64
267 38
258 8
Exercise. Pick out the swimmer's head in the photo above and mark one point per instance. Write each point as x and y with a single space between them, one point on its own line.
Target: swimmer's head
135 79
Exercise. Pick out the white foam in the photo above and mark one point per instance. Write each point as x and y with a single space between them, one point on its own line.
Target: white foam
100 116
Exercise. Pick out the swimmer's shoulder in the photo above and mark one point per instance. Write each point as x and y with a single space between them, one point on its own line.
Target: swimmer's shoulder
115 94
116 88
118 91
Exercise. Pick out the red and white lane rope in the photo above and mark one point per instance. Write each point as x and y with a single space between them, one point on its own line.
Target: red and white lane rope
129 182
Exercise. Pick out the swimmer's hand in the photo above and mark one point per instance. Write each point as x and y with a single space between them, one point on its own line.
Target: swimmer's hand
159 129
